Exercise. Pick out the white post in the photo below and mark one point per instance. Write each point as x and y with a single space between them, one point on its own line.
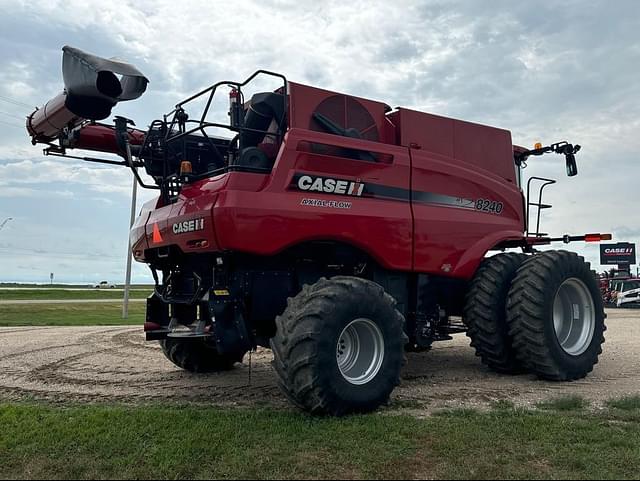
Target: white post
127 283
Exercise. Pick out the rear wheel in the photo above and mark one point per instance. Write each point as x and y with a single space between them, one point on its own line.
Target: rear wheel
485 312
196 356
339 347
556 316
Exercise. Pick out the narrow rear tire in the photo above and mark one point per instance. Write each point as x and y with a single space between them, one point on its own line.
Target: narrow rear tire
198 357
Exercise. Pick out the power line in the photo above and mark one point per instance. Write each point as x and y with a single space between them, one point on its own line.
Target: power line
15 102
11 115
66 255
11 125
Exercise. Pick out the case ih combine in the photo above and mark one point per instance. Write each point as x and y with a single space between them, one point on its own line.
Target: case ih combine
335 230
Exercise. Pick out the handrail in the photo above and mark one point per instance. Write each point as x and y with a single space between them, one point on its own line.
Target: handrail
545 182
212 90
176 125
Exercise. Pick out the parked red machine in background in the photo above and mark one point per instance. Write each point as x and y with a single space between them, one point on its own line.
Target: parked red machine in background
337 231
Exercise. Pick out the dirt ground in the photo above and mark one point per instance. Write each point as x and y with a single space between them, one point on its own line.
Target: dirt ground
62 364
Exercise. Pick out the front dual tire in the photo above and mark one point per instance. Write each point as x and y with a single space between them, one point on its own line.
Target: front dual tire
541 314
555 316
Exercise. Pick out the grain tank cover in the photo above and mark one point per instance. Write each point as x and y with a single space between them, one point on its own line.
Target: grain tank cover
484 147
94 85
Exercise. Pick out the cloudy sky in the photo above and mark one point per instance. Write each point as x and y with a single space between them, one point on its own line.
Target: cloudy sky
546 70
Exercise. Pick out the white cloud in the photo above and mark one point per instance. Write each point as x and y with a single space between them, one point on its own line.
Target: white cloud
30 192
115 180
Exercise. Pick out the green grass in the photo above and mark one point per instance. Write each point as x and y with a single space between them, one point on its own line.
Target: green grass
630 403
564 404
59 294
94 441
94 314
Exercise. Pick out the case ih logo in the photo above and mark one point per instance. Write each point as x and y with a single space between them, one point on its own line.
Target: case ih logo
328 185
188 226
623 253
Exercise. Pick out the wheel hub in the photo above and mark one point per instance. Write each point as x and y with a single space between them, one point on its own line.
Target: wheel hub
574 316
360 351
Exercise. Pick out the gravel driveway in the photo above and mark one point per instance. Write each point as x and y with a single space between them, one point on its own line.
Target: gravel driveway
63 364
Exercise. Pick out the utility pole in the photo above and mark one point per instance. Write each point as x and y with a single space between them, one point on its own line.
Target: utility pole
127 283
123 141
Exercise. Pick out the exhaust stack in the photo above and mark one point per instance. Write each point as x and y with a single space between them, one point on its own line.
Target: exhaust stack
92 87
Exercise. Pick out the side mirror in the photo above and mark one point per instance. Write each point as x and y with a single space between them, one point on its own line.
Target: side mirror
572 168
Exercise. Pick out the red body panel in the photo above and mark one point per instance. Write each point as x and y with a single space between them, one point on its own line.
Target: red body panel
486 148
137 236
196 202
269 221
452 240
419 204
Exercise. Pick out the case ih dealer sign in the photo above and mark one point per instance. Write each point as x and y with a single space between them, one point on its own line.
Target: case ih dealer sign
620 254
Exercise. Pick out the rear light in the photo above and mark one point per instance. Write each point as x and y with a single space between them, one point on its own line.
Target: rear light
597 237
151 326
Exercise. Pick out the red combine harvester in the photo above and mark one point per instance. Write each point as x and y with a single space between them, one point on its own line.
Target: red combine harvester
337 231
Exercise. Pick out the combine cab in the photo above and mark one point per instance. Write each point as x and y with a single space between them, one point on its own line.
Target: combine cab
337 231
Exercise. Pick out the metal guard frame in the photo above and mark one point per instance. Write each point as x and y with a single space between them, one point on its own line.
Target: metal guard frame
202 125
